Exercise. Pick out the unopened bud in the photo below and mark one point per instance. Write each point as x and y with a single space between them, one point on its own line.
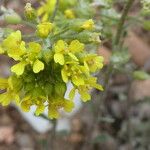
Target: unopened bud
29 12
43 29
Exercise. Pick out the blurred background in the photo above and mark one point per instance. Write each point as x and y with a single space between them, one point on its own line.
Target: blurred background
125 112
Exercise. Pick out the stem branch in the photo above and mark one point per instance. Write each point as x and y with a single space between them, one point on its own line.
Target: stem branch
122 21
55 11
117 41
28 24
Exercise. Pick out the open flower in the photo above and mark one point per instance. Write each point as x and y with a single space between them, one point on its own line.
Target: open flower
31 58
56 104
93 62
75 73
62 49
14 46
84 89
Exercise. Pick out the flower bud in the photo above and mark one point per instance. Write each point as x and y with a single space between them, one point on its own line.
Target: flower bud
43 29
88 25
69 14
88 37
29 12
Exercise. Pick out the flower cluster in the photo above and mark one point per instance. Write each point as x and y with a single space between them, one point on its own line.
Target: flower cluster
45 66
46 9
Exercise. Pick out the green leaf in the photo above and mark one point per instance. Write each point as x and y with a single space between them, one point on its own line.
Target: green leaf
141 75
146 25
101 138
38 66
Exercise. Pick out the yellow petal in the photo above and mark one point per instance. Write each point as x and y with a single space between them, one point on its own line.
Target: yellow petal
25 105
38 66
64 75
77 80
88 25
40 109
85 96
76 46
5 99
34 47
73 56
17 99
3 83
68 106
53 113
72 93
59 58
1 50
97 86
60 46
19 68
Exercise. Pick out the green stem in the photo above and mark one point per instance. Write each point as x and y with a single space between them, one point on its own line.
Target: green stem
27 36
117 41
28 24
122 21
55 11
53 135
58 34
109 71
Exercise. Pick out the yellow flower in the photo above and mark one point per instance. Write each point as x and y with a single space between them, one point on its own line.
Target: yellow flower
9 96
88 25
14 46
31 58
57 104
83 90
62 49
29 101
74 72
26 104
69 14
46 9
93 62
44 28
40 107
19 68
